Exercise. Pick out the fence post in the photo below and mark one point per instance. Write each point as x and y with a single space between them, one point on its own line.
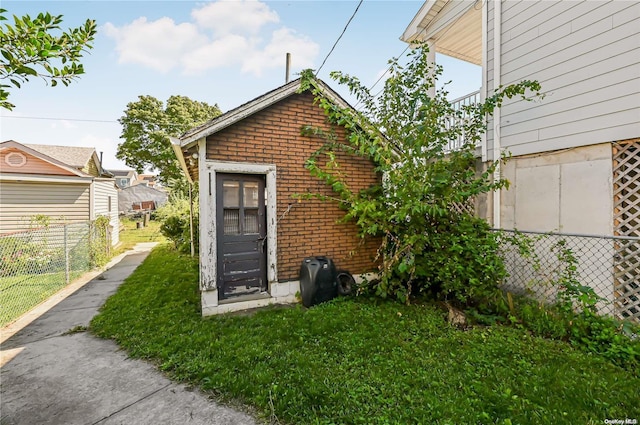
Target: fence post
66 255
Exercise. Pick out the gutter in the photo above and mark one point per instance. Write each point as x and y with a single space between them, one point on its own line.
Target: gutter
485 90
45 179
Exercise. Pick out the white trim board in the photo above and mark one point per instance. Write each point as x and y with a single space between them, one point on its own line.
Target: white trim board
41 178
209 246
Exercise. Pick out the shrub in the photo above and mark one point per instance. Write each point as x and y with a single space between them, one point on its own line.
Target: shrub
99 247
22 255
429 243
174 216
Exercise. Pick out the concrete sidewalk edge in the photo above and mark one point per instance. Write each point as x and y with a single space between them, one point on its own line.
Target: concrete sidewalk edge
24 320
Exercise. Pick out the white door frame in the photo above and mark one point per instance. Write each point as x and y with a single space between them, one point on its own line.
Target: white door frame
208 240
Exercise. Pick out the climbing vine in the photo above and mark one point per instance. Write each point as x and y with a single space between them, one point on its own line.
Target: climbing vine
428 244
99 243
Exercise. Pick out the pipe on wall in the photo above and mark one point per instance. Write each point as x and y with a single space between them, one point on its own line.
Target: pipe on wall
497 148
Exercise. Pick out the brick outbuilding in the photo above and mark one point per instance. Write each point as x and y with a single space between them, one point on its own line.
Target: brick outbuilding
255 229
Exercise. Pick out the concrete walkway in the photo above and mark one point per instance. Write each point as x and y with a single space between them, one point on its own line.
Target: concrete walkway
51 376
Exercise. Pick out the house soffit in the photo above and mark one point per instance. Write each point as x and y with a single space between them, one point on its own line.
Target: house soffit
455 32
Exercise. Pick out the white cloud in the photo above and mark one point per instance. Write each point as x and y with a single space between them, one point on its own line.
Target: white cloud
63 123
224 33
226 51
234 16
157 44
303 50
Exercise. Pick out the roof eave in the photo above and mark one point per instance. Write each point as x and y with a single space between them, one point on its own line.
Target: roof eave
413 29
177 148
250 108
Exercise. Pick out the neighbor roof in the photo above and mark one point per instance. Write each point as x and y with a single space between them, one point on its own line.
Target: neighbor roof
74 156
123 173
31 150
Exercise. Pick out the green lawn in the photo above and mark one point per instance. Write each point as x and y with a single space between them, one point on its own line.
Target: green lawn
19 294
131 235
359 361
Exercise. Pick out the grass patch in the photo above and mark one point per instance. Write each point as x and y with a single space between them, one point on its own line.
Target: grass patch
19 294
130 235
358 361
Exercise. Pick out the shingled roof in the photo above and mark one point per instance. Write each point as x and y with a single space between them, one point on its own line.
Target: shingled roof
77 157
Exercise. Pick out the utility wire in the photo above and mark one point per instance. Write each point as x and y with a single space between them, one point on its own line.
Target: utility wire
343 31
70 119
403 52
58 119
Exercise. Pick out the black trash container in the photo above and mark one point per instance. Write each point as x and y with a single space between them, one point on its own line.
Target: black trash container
317 280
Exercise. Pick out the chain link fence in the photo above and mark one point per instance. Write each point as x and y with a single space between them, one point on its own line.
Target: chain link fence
610 265
35 264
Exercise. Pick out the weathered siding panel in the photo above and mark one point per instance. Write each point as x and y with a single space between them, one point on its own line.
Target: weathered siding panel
32 166
586 55
105 202
19 201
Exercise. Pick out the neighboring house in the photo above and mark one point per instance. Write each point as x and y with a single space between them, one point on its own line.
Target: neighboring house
63 182
576 153
147 180
254 233
140 198
124 178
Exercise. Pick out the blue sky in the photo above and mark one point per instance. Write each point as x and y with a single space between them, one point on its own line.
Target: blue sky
224 52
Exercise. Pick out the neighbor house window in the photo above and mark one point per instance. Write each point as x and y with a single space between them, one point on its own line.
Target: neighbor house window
109 203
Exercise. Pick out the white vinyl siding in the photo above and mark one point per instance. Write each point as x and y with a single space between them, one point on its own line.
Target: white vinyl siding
586 56
102 191
19 201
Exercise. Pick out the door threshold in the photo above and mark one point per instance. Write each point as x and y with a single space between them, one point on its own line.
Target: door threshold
243 298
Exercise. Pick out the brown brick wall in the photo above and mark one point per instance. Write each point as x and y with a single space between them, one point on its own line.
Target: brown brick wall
272 136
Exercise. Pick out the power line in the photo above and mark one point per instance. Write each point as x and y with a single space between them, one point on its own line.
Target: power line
405 50
58 119
343 31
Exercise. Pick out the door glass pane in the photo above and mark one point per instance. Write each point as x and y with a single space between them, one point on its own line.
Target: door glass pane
231 222
251 221
231 194
250 194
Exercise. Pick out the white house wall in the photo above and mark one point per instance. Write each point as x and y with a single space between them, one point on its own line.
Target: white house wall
20 201
586 56
102 192
567 191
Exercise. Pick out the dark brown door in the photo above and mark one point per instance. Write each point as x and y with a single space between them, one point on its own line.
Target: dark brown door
241 233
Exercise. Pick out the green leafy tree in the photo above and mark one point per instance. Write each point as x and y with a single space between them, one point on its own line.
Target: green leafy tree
39 48
429 244
147 125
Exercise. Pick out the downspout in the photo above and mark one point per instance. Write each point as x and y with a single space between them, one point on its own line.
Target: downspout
484 90
92 200
497 53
